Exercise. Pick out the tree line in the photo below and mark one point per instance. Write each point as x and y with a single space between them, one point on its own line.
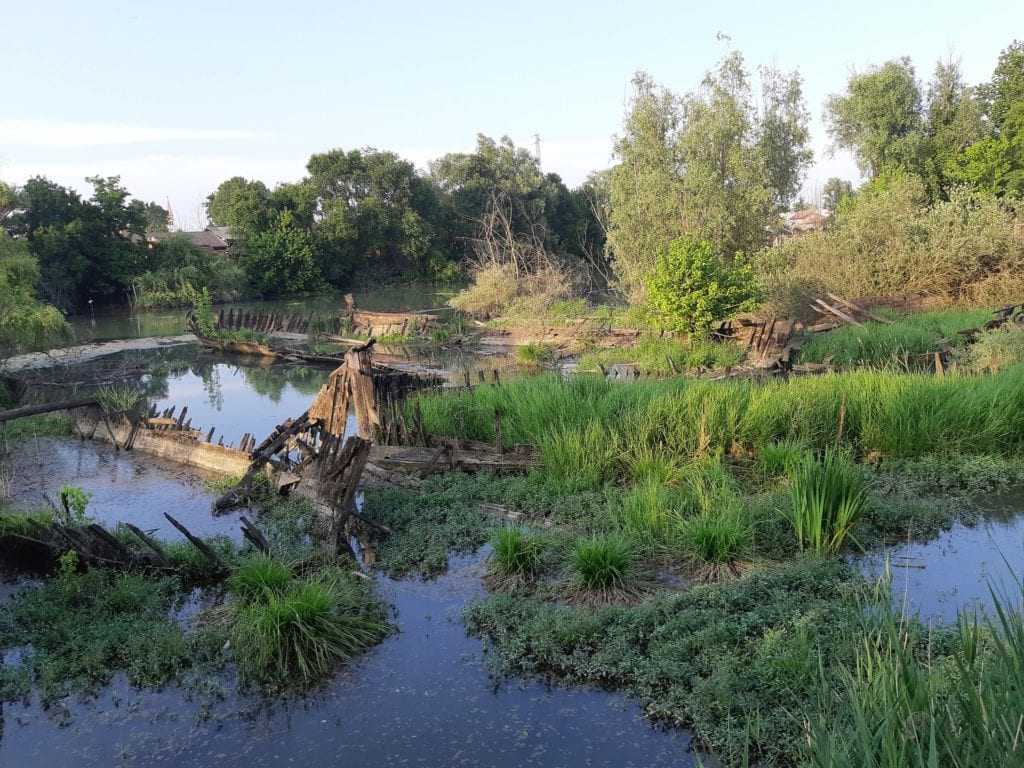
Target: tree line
715 164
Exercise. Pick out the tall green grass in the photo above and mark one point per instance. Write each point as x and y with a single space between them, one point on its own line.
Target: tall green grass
592 431
516 555
827 498
905 703
661 356
879 343
603 563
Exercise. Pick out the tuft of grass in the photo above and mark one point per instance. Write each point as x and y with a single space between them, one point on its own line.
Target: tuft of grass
827 498
259 577
719 540
603 563
535 354
995 350
516 557
580 459
777 459
296 634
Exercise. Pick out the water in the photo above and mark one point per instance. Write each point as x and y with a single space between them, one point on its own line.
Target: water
422 698
124 486
954 571
171 322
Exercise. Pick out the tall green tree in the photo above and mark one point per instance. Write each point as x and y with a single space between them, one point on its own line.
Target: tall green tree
282 258
241 205
835 191
708 164
880 119
1006 88
25 322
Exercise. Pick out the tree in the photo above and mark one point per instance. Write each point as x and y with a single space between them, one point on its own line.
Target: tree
282 259
707 164
1006 88
157 218
24 321
835 191
880 119
784 134
241 205
692 287
996 163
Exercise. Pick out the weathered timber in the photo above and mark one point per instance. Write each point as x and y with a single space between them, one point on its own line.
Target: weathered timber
35 410
198 543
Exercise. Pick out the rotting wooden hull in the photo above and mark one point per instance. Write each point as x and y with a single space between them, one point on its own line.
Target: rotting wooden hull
239 347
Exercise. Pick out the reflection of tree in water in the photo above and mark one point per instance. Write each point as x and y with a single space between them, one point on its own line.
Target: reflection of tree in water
270 382
211 385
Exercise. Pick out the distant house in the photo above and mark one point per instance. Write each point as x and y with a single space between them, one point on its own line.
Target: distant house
213 239
794 223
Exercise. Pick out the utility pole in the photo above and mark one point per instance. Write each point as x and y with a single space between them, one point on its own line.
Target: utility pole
536 147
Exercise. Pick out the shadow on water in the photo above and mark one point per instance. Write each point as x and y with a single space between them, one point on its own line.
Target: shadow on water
422 698
954 571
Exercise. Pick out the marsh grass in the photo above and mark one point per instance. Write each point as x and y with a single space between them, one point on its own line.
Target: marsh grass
663 356
603 567
535 355
828 497
879 343
589 428
953 697
516 558
719 542
290 632
778 459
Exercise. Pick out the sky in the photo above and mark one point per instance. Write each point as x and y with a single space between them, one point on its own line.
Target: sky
177 96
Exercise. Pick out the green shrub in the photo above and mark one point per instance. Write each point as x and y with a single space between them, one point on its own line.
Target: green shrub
75 502
995 350
535 354
692 287
603 563
828 498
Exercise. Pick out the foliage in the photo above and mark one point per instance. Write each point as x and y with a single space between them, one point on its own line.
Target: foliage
180 270
118 399
281 259
292 632
952 698
720 537
828 499
692 287
603 563
25 322
83 627
536 355
995 350
706 165
890 241
516 555
75 502
909 336
661 356
737 663
202 310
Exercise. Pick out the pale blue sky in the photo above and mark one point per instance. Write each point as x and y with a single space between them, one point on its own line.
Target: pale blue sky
176 96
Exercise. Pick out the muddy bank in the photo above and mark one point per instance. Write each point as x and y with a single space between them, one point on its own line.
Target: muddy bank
422 698
85 353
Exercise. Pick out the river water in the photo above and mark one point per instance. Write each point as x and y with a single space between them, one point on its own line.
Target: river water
424 697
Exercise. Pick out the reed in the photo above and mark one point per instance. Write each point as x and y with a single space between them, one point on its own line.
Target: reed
827 498
604 563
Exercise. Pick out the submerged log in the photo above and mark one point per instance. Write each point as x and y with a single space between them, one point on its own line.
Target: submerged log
35 410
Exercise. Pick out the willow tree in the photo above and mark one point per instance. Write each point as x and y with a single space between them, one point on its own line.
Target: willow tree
709 164
25 322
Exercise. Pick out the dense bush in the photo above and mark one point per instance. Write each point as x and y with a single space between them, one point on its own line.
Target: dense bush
692 287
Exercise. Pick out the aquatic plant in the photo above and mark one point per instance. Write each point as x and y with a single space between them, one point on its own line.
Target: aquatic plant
649 513
516 556
259 577
879 343
75 502
117 398
827 498
580 459
779 458
535 354
603 563
950 698
719 540
299 634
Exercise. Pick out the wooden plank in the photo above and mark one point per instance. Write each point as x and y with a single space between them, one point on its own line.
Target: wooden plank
853 307
33 410
839 313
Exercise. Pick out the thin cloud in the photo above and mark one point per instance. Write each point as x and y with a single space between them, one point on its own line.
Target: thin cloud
54 134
